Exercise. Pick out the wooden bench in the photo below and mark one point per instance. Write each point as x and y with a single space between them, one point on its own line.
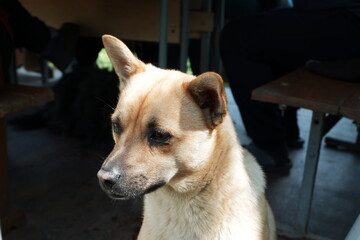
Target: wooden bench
329 100
13 99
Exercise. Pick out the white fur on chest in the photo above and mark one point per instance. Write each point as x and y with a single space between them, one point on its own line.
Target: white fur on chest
221 213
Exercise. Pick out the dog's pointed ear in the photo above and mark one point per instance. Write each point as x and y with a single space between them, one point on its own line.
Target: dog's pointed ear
123 60
208 92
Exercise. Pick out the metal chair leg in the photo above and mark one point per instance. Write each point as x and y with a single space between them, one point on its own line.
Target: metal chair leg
309 175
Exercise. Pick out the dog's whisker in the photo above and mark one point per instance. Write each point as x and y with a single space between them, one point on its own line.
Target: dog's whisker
107 104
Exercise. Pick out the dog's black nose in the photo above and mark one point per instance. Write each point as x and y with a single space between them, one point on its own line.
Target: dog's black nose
108 178
108 184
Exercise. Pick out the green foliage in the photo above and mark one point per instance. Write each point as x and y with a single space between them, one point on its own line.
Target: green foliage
103 61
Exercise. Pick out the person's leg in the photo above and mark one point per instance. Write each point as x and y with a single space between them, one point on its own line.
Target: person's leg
257 49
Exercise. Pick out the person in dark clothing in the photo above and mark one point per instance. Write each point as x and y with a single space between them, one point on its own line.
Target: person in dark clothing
23 30
259 48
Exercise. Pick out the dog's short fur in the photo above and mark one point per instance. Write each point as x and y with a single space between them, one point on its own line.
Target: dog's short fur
176 143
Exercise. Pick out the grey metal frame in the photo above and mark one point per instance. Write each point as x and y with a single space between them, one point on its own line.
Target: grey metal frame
310 169
184 41
205 41
321 123
206 54
163 33
219 24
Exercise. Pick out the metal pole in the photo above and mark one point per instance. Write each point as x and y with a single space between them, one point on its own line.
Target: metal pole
219 24
309 175
205 42
184 41
163 34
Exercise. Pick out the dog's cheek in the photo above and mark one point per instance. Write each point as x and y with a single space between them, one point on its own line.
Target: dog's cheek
192 152
166 168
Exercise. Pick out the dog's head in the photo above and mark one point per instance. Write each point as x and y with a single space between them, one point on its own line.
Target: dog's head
163 125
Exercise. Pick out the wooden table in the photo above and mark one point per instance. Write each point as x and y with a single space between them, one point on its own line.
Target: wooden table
161 21
13 99
329 100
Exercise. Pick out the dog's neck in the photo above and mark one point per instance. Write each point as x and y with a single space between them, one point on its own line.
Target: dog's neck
213 192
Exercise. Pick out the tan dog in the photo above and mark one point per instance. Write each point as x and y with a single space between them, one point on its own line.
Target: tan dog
176 143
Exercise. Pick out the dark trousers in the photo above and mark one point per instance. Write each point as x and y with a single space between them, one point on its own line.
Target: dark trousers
257 49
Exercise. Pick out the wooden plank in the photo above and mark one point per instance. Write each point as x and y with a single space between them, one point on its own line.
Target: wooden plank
200 21
351 107
195 4
128 20
304 89
15 98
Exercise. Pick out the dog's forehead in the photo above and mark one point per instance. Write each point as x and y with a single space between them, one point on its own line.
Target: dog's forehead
152 92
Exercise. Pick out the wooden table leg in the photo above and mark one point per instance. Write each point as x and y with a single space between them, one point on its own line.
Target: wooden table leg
4 196
10 217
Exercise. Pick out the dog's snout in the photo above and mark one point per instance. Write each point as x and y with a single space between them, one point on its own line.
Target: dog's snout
108 178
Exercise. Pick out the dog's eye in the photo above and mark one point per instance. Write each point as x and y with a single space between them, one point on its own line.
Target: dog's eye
116 128
159 137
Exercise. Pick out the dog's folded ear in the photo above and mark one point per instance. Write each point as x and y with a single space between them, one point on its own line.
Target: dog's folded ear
123 60
208 92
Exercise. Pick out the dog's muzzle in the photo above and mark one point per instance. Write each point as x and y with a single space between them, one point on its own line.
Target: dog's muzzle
108 181
121 187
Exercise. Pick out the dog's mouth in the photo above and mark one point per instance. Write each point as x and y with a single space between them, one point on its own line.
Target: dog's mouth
126 194
117 196
154 187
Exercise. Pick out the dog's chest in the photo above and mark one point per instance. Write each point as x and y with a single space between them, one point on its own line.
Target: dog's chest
177 219
209 217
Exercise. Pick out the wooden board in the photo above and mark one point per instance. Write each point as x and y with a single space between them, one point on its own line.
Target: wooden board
304 89
128 20
15 98
351 107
